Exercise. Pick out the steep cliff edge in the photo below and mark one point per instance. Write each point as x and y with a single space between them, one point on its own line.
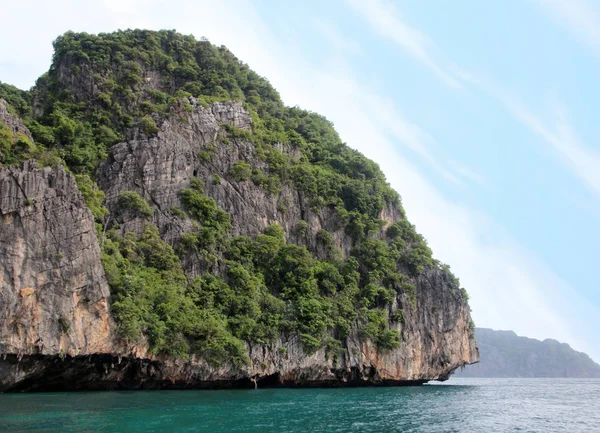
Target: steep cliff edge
238 246
53 289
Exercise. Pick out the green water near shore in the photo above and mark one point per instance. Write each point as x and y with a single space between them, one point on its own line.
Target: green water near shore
460 405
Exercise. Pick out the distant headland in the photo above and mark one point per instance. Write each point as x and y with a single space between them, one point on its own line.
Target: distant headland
505 354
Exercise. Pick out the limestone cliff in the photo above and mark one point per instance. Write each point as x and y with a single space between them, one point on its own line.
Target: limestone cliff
57 330
55 296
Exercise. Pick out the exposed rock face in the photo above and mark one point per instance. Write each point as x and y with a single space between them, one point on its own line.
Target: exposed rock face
54 300
159 167
427 353
435 342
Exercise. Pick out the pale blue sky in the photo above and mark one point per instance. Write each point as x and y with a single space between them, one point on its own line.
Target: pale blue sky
483 115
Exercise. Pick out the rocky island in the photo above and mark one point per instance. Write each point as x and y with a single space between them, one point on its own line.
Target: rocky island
505 354
167 222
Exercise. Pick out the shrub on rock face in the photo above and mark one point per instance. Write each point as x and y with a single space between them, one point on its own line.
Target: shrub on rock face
93 196
241 171
6 142
148 125
131 200
301 229
388 340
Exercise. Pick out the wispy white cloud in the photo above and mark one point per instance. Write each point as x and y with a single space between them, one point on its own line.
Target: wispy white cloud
383 109
420 142
336 40
580 17
404 132
385 19
557 132
468 173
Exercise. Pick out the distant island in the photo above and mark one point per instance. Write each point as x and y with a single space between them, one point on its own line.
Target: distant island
505 354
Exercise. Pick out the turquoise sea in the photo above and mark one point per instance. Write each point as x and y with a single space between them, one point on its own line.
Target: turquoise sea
459 405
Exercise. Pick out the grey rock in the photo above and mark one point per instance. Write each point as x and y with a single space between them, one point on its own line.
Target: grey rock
159 167
12 122
54 298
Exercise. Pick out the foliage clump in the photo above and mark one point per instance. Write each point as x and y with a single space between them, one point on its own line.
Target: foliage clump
241 171
151 299
213 226
16 148
148 125
132 201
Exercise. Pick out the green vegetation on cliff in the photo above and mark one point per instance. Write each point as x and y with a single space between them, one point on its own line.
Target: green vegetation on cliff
253 289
